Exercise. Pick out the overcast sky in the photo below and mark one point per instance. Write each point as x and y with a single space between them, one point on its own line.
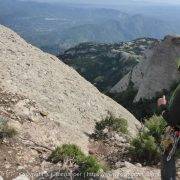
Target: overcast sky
111 1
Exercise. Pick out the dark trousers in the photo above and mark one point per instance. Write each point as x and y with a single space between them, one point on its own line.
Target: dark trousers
168 168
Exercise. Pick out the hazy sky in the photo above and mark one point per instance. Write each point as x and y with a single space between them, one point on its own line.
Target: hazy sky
111 1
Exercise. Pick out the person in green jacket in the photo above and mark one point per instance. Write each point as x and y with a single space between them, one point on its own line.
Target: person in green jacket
171 114
171 111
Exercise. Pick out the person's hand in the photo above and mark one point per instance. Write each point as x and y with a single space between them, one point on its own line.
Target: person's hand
162 101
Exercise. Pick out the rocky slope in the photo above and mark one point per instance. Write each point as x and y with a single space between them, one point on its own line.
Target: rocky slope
156 72
104 64
47 102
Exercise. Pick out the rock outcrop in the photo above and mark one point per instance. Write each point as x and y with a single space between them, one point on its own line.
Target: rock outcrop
52 103
156 72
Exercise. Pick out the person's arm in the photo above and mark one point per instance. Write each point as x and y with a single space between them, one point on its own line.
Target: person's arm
162 106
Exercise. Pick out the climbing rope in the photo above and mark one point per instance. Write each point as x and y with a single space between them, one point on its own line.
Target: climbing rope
175 144
170 142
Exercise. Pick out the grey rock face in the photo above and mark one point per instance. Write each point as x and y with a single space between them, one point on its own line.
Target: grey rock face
21 177
68 99
156 72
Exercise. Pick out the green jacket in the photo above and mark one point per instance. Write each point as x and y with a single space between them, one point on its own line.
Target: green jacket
172 114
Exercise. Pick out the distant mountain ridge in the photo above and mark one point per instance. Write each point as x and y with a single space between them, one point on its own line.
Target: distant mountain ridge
55 28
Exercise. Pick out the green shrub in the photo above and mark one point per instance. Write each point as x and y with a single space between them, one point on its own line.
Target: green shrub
72 152
144 149
156 126
90 165
5 130
146 146
66 151
118 125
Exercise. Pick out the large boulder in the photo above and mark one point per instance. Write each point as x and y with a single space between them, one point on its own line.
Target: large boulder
156 72
54 102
